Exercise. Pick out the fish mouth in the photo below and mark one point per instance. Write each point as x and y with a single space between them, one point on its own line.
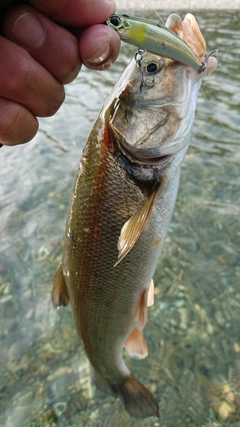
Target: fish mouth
148 161
189 31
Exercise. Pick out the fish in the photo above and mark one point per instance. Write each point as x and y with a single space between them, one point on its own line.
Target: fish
120 209
155 38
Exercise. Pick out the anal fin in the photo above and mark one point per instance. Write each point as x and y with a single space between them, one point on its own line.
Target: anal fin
136 345
59 291
142 310
145 301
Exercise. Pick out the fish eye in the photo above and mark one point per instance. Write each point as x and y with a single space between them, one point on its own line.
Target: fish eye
115 20
153 66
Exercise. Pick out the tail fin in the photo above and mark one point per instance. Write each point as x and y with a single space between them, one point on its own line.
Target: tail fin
137 399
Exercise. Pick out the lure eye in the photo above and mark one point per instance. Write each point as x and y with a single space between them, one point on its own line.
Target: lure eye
115 20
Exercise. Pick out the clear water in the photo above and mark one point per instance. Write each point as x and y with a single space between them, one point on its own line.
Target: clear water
193 331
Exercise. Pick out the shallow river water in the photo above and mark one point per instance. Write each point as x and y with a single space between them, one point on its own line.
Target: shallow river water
193 330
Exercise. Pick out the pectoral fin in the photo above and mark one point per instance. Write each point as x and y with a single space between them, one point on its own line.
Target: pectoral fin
133 228
136 345
59 290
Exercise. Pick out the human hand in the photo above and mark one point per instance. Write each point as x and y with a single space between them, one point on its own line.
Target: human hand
38 56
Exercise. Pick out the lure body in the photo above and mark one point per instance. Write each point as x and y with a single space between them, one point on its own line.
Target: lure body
154 38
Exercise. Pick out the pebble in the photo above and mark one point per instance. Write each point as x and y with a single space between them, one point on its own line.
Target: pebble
226 410
59 408
65 370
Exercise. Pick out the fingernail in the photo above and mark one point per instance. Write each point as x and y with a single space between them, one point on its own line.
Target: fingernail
28 31
113 4
101 55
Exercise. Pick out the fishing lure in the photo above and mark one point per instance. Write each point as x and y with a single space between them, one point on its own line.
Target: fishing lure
155 38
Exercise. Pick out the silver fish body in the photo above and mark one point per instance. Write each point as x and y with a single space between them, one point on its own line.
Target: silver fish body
121 206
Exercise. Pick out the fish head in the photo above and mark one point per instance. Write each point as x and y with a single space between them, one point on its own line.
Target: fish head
155 100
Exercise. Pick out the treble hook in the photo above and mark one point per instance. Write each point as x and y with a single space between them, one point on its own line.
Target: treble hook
210 54
204 64
138 58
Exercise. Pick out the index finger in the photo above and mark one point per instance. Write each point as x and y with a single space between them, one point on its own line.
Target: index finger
79 13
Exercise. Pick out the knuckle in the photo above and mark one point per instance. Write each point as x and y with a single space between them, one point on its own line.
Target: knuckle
17 125
19 75
69 75
52 102
10 115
